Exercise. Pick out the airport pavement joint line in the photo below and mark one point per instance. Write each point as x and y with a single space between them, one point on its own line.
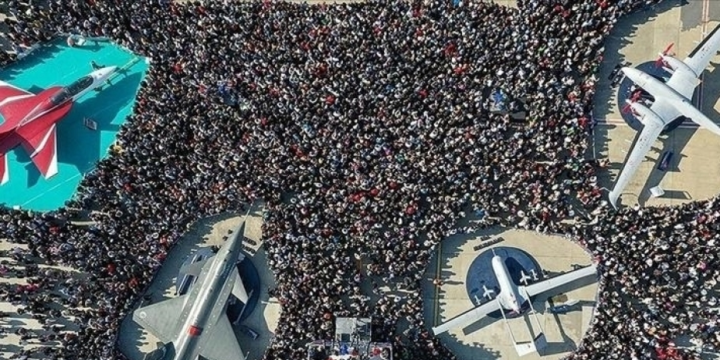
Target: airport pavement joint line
705 18
437 288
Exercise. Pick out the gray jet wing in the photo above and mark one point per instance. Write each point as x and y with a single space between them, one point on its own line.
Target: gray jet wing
220 343
161 318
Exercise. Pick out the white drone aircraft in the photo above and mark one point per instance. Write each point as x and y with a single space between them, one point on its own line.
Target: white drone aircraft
672 99
512 297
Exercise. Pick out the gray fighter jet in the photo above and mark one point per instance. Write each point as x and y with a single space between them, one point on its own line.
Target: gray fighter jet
195 324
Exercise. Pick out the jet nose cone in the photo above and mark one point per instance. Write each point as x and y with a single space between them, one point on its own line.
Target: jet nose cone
105 72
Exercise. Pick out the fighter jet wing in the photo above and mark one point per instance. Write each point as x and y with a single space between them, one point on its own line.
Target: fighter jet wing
161 318
645 140
468 317
220 343
10 93
42 149
556 282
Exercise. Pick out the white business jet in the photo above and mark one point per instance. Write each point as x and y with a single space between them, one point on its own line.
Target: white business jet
672 100
512 297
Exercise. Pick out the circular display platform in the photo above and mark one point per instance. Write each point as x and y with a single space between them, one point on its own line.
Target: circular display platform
624 93
481 272
236 311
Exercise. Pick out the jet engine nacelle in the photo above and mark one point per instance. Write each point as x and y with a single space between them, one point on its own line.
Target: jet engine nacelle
674 64
644 114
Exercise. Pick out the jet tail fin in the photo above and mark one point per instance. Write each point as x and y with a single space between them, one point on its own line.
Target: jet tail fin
43 151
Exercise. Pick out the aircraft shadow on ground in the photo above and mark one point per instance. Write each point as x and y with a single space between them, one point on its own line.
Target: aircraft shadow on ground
255 349
82 148
601 146
567 343
94 47
39 56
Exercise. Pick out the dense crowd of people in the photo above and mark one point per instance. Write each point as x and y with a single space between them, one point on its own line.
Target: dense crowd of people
368 131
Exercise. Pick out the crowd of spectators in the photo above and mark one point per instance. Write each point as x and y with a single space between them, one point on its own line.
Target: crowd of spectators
367 130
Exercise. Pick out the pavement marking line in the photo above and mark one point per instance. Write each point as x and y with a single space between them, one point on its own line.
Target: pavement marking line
55 187
705 18
437 288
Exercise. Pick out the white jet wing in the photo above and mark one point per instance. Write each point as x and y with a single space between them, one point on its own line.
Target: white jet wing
688 110
645 140
685 82
699 59
161 318
468 317
221 343
558 281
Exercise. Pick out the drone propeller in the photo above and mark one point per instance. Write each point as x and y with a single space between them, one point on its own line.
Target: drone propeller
659 61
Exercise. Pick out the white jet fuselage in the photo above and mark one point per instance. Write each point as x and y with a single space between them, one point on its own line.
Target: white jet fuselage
69 93
508 295
655 87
